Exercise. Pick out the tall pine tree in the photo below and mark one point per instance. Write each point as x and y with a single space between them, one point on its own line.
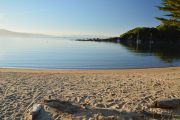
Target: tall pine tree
173 8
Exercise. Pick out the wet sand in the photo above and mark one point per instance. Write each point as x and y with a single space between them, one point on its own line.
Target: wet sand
100 93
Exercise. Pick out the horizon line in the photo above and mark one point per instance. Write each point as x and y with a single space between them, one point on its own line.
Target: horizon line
55 34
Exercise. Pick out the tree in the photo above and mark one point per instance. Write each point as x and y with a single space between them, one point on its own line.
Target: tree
173 8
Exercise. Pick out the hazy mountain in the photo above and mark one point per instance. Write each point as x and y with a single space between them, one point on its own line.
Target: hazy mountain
7 33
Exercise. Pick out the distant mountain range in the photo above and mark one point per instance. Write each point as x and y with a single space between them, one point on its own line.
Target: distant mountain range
7 33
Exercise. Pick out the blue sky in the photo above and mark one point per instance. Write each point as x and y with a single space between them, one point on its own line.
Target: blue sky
78 17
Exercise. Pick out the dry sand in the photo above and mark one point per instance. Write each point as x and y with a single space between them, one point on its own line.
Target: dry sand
110 94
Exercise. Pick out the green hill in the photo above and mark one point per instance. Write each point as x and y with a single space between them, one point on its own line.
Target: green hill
158 34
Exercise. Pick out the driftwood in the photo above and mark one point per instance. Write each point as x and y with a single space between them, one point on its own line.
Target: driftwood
166 104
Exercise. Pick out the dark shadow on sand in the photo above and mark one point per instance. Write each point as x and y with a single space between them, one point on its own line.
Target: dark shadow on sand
79 111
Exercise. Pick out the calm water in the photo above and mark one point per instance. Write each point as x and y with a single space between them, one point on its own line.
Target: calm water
59 53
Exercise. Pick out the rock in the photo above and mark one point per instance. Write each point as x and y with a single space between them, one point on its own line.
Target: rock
35 110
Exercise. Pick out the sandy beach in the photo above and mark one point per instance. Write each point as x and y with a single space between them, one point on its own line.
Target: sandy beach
97 94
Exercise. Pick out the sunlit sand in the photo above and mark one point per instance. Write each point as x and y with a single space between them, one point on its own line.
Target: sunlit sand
95 93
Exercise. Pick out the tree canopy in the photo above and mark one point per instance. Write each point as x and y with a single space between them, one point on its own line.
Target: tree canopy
173 16
168 31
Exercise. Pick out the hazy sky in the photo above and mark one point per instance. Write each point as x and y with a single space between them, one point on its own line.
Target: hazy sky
78 17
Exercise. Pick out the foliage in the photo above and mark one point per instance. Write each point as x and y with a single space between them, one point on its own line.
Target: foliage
173 8
168 31
143 32
160 33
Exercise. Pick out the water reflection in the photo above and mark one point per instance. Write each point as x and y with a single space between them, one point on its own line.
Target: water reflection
166 52
60 53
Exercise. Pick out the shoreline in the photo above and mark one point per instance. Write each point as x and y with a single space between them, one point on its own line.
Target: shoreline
42 70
